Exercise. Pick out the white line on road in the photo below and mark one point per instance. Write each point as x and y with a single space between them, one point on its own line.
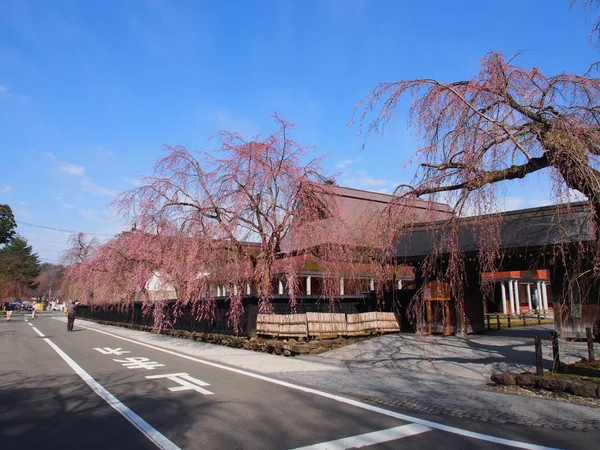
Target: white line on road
38 332
30 324
376 437
150 432
375 409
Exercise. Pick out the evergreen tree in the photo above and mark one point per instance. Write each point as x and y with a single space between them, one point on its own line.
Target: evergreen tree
19 267
7 224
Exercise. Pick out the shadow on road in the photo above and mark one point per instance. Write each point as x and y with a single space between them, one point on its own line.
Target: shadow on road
472 357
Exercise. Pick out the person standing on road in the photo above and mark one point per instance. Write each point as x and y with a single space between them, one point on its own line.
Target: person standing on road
8 308
33 313
71 315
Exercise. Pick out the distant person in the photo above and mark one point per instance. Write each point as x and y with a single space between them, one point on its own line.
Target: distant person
8 307
71 310
33 313
534 300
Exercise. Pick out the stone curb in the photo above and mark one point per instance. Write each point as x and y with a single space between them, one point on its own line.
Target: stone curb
483 415
574 387
286 347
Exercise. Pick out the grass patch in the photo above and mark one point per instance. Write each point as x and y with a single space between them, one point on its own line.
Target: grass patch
580 370
516 322
572 377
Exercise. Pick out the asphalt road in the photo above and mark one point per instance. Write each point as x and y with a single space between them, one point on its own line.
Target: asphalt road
90 389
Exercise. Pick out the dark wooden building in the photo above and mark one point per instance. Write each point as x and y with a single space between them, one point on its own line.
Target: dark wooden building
542 248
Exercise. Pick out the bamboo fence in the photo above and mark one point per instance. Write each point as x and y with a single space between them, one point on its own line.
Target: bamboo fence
320 324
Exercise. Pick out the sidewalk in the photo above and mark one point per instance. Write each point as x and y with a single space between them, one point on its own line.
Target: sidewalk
474 357
433 374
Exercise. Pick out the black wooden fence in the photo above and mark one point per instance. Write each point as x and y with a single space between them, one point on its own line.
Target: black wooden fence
134 314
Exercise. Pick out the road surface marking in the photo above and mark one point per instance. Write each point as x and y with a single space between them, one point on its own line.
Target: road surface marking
30 324
376 437
186 381
365 406
139 362
111 351
150 432
38 332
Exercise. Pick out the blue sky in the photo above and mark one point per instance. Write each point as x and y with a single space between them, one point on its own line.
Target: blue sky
89 91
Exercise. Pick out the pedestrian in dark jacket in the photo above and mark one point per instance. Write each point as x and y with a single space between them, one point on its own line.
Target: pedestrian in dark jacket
8 308
71 315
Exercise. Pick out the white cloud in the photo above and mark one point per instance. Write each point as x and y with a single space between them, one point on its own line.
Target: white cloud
72 169
133 181
369 181
512 203
356 177
5 91
87 184
60 194
89 214
49 155
93 188
21 213
376 184
68 206
347 162
101 151
5 187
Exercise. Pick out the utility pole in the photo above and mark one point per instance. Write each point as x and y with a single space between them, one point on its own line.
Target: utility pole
50 292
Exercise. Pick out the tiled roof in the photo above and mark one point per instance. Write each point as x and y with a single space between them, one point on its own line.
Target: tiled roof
523 229
357 205
358 210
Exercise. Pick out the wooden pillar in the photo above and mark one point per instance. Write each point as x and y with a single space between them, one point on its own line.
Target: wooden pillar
503 290
429 317
555 353
511 296
448 319
545 295
371 284
308 285
517 300
539 365
529 297
342 286
280 290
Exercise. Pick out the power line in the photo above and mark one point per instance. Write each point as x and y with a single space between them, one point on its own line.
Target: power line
61 230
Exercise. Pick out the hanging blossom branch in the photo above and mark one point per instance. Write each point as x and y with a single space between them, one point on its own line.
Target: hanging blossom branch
211 219
503 124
